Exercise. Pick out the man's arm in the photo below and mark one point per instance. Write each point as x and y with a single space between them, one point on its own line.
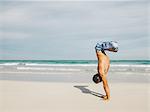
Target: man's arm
101 71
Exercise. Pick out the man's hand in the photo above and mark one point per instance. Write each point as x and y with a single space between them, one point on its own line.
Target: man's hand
105 98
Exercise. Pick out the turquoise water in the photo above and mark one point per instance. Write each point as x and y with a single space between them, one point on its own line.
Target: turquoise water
128 62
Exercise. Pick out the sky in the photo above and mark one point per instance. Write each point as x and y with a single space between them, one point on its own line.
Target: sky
69 30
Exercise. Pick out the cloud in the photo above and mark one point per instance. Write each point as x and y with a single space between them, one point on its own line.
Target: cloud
77 26
75 0
13 35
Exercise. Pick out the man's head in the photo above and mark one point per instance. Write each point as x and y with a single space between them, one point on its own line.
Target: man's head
97 78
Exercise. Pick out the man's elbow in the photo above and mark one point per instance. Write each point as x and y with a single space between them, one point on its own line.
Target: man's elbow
101 73
103 76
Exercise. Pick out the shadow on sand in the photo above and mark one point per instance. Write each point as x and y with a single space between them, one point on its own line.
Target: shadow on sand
88 91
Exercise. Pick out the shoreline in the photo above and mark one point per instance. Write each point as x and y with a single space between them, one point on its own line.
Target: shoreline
70 74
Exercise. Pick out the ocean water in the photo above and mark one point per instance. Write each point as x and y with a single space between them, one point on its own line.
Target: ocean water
73 62
76 65
73 70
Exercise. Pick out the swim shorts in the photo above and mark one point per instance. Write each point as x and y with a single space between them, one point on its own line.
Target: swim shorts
106 46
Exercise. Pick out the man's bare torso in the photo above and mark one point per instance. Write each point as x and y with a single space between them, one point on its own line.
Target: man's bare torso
103 62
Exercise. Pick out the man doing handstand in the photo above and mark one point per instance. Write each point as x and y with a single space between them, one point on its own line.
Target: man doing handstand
104 63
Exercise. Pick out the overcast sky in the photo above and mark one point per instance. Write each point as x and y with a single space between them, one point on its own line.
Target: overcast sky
70 30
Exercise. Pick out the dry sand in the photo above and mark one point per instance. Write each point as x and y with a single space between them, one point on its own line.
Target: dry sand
28 96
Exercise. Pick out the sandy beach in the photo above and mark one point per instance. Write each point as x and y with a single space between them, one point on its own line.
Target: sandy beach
54 91
21 96
51 49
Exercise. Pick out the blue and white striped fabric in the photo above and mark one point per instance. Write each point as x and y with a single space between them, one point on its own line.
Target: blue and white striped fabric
107 46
